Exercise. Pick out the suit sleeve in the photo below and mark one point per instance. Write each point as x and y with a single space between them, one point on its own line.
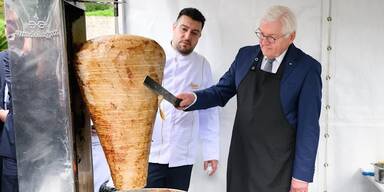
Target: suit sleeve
307 136
209 122
219 94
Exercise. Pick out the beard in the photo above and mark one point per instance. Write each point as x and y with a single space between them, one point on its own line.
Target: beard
184 47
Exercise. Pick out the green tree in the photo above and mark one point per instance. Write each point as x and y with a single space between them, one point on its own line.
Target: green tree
1 9
94 9
89 7
3 38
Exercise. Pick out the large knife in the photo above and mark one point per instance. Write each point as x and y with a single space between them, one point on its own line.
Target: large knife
160 90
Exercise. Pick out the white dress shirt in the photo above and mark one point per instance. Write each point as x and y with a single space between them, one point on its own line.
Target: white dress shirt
176 133
6 97
276 63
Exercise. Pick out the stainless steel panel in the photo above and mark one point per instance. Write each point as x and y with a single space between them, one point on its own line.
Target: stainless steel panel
75 36
41 98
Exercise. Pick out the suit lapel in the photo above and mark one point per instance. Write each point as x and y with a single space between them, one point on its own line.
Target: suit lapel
253 59
289 62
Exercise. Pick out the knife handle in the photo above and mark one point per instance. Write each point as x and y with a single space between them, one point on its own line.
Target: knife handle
177 102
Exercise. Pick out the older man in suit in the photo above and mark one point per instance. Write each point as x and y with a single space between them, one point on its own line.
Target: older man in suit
276 130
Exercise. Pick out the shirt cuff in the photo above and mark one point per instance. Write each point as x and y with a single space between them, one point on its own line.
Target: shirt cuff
299 180
194 101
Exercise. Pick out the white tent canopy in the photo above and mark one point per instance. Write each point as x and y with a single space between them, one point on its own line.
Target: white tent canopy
345 36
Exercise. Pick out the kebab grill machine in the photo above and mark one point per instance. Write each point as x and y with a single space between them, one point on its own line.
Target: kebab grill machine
60 81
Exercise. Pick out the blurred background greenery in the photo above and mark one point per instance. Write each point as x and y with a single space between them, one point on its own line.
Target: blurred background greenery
97 9
3 39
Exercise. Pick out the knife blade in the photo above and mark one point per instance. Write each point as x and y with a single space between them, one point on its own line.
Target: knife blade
160 90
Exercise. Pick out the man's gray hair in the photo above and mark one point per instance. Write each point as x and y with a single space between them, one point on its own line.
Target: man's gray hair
282 14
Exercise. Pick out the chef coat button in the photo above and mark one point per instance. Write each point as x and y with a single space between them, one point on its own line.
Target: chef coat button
289 63
256 59
253 68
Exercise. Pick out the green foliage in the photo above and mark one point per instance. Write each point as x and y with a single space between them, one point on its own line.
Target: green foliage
3 38
94 9
1 9
106 12
90 7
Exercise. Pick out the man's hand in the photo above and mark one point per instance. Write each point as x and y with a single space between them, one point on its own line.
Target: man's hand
3 115
213 164
186 100
298 186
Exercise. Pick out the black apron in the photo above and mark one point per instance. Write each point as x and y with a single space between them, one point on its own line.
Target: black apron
263 142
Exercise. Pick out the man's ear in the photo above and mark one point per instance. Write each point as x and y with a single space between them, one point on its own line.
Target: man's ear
174 26
292 36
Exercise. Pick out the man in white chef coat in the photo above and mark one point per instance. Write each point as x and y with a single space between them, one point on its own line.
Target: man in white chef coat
176 133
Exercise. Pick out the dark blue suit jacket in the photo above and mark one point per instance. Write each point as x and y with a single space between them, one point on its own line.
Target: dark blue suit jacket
300 95
7 134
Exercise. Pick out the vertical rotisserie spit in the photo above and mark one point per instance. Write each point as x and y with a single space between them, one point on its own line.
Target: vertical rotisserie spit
111 71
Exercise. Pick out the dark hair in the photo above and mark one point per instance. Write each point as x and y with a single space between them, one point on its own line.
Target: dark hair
193 13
